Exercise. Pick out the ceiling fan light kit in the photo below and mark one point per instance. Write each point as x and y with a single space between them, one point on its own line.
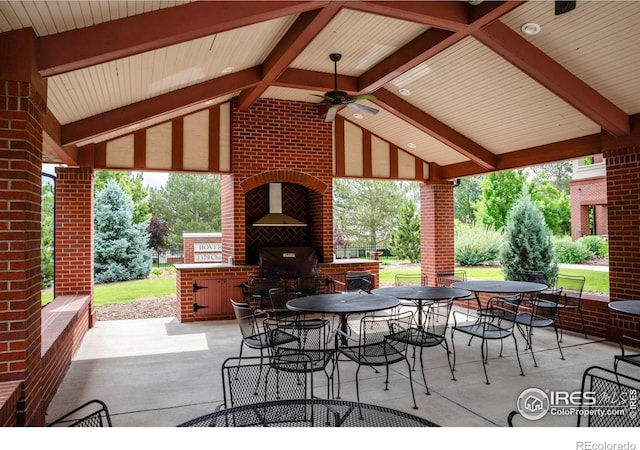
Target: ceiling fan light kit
338 99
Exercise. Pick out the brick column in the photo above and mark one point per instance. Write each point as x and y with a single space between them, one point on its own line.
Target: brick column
74 234
436 234
623 192
22 107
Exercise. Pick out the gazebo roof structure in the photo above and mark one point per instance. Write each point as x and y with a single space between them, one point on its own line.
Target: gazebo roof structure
458 85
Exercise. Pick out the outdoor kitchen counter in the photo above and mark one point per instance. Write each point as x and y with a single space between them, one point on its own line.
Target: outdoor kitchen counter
223 281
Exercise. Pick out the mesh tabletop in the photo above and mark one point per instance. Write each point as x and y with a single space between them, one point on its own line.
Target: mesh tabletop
309 413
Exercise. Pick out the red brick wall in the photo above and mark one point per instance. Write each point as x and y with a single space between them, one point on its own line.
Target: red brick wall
22 107
259 138
591 191
9 395
436 222
74 233
623 187
65 321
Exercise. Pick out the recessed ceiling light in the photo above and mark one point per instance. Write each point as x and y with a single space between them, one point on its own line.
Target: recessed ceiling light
358 116
530 28
411 145
228 69
405 92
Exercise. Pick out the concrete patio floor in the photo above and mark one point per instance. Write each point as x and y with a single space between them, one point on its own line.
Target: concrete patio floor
160 373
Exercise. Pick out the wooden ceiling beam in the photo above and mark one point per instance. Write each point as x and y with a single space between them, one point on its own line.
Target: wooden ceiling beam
542 154
299 35
315 81
83 47
543 69
433 127
451 16
119 118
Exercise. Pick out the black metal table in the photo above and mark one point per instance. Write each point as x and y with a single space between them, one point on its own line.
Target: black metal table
631 307
420 294
499 287
309 413
342 305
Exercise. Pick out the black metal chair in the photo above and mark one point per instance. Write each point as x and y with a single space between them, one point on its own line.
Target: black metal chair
277 306
260 287
527 315
446 278
248 380
376 349
308 285
313 339
625 355
409 279
359 281
487 327
608 399
572 287
93 413
253 334
431 334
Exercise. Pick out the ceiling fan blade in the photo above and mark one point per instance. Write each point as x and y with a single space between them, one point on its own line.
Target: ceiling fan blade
331 113
359 97
362 108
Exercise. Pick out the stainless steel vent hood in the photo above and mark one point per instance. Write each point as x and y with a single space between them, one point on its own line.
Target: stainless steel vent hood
276 218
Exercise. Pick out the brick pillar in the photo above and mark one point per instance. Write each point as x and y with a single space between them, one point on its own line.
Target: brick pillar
22 107
623 192
74 234
436 222
232 209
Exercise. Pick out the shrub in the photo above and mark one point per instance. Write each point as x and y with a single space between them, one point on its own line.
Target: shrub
571 252
475 245
527 241
157 271
595 244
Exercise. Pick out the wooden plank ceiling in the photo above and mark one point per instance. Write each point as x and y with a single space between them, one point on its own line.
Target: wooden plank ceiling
458 84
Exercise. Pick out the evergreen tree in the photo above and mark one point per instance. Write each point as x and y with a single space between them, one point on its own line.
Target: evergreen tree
405 239
527 241
121 251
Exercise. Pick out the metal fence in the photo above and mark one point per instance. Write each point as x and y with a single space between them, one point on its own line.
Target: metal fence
168 258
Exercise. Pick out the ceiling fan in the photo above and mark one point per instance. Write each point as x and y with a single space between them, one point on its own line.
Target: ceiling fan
337 99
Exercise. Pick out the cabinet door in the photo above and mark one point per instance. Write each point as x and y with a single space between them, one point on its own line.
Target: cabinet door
212 297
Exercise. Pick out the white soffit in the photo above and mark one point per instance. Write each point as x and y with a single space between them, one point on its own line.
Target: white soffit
140 77
362 39
495 104
598 42
160 119
400 133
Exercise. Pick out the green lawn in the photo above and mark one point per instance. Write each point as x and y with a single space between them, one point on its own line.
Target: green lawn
596 281
128 291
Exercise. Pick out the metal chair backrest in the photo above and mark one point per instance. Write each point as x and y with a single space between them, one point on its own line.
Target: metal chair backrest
359 281
437 317
94 413
609 399
410 279
572 283
251 380
534 276
375 328
246 318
